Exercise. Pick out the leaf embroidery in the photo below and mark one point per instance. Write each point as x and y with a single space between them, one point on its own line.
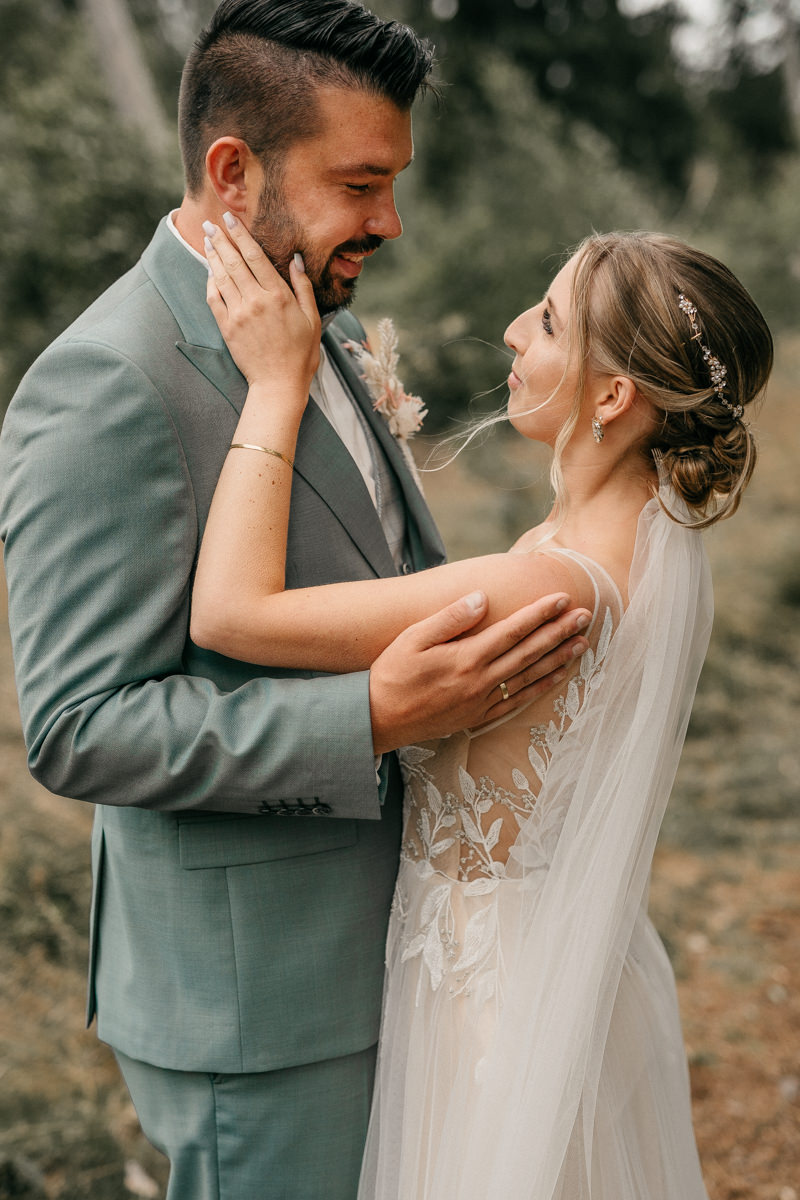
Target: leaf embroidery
450 838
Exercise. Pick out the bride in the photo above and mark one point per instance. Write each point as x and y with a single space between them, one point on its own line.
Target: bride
530 1044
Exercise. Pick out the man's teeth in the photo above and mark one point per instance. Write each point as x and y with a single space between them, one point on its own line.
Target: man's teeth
356 258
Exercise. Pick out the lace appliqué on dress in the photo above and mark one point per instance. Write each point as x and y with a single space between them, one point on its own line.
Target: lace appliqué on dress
460 829
545 738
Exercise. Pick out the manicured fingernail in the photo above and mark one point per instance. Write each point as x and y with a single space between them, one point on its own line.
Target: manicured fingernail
298 262
475 601
580 649
559 676
229 219
582 621
209 229
207 246
562 603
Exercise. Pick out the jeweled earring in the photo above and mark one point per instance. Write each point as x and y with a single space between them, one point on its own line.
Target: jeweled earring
598 433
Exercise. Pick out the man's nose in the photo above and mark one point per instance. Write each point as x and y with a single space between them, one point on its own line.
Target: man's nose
385 220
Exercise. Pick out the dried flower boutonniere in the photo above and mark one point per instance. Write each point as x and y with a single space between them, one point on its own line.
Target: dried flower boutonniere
404 413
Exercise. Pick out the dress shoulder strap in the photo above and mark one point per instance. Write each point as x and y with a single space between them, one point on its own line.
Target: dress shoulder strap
606 593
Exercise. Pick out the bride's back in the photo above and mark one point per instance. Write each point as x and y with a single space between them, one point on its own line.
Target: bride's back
468 795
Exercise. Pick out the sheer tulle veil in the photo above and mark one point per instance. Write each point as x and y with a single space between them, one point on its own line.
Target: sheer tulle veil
527 1124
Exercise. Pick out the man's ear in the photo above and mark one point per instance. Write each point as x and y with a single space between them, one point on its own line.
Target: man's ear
235 175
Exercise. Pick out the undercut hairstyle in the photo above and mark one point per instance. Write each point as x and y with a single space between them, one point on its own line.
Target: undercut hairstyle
254 71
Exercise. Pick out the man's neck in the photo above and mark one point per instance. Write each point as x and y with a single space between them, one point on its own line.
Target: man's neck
188 219
171 226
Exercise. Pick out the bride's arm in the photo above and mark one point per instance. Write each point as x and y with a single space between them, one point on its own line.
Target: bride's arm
239 605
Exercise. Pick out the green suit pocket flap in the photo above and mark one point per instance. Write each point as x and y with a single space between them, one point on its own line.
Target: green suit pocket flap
235 843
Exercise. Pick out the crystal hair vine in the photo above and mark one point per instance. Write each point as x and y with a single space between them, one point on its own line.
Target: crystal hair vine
715 367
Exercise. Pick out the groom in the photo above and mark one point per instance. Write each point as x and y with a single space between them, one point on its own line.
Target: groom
244 848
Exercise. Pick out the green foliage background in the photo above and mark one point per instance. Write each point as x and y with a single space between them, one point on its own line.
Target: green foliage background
512 171
557 117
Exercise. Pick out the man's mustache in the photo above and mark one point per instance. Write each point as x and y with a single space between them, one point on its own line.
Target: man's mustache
363 246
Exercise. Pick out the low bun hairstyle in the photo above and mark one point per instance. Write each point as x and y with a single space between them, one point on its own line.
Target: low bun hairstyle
627 320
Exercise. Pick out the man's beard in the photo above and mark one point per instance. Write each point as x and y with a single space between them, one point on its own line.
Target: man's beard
280 237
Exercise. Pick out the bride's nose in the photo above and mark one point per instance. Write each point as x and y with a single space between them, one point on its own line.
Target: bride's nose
512 335
518 335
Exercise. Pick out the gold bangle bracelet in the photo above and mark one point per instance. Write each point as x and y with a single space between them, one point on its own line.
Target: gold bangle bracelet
264 450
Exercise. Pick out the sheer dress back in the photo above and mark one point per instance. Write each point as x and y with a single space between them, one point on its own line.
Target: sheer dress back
530 1044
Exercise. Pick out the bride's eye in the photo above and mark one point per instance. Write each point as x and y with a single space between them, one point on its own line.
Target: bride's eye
546 322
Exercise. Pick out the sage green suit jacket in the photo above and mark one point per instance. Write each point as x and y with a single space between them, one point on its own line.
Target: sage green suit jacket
243 860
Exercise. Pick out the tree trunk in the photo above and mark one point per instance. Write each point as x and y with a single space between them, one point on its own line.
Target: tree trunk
128 78
790 66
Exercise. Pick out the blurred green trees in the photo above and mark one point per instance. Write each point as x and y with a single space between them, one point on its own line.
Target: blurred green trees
558 116
563 116
79 192
585 58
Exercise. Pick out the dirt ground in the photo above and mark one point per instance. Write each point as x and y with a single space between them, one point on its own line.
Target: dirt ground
735 918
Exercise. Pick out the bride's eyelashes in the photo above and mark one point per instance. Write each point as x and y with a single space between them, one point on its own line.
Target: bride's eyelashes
547 324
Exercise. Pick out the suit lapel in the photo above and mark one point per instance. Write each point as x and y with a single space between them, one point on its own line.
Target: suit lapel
321 458
181 280
219 368
327 466
424 537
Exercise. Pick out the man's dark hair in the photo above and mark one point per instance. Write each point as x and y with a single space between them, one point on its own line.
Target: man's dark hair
253 72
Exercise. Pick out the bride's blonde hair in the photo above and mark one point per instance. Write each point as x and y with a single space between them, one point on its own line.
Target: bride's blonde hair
626 319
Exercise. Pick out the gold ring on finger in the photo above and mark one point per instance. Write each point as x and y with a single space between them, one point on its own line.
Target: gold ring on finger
504 690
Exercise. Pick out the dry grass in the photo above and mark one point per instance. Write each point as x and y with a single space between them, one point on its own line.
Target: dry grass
726 893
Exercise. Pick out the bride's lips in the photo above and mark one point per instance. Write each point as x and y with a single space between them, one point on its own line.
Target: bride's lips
514 381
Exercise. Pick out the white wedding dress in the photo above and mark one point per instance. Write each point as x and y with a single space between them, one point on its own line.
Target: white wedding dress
531 1046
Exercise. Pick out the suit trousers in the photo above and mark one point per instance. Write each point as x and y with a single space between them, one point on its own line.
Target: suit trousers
293 1134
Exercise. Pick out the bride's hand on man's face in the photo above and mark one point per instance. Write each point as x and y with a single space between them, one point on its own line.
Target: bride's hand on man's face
271 329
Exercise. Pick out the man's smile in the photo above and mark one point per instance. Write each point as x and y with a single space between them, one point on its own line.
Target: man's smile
350 264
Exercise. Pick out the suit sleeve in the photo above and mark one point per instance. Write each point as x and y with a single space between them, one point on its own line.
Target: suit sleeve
98 517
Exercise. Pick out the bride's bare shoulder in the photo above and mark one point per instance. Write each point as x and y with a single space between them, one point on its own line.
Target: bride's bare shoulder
516 578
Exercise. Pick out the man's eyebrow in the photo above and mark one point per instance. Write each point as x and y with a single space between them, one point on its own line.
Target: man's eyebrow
364 168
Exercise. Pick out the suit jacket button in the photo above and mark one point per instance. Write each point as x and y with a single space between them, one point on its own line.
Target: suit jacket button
321 810
406 568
